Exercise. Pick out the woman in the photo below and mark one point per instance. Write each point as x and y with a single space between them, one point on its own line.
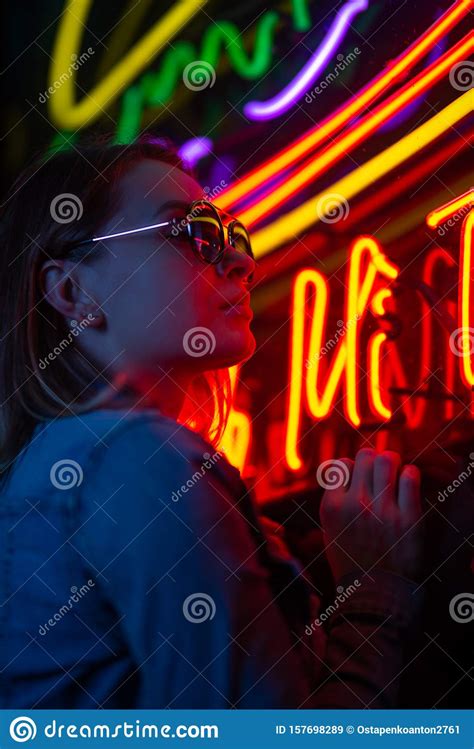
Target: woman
135 570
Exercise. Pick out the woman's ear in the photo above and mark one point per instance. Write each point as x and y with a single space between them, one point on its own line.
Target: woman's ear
61 288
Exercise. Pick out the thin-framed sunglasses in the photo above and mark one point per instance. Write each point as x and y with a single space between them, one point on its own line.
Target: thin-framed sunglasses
205 229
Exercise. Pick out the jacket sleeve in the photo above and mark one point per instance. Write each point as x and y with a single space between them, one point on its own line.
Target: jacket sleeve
367 629
364 630
162 532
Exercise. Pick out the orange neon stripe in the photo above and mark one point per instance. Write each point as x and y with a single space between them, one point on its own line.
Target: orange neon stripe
396 187
366 96
446 211
362 130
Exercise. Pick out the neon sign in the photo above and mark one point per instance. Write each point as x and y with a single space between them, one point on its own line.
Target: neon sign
71 115
326 130
365 291
286 227
156 88
359 132
369 294
267 110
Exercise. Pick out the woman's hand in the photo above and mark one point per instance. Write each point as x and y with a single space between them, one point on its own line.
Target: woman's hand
370 524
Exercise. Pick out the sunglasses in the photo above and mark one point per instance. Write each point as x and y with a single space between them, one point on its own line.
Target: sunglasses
203 228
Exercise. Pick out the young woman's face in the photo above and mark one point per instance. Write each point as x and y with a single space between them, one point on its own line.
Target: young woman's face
162 304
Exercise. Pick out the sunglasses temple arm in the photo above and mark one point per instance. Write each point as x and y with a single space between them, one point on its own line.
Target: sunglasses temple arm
125 233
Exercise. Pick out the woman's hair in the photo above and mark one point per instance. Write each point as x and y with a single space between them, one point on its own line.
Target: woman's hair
35 225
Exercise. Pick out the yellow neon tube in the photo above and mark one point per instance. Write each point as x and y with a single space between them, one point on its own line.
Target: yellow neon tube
375 390
319 398
288 226
64 111
438 216
357 104
356 135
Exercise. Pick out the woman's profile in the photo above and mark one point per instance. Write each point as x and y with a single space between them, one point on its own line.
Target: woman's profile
136 571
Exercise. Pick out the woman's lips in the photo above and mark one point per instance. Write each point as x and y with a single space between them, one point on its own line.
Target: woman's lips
242 309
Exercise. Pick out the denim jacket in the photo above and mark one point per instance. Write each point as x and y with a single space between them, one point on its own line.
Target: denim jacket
135 572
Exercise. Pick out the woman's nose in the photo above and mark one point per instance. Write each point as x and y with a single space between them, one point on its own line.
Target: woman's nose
236 262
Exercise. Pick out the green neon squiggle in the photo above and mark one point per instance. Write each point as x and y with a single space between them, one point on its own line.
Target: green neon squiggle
155 88
159 87
301 17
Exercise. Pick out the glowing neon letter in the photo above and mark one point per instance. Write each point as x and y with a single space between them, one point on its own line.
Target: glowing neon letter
345 361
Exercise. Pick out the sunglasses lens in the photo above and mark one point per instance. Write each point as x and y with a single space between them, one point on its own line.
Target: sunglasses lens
241 239
206 234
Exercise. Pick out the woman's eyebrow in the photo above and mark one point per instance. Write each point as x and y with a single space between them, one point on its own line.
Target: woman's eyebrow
179 204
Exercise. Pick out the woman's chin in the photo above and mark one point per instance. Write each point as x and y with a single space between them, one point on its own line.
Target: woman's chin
236 350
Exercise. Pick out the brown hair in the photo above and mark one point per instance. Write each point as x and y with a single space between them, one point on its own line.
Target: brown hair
30 326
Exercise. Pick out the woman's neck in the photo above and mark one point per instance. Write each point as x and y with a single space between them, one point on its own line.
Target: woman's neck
165 392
